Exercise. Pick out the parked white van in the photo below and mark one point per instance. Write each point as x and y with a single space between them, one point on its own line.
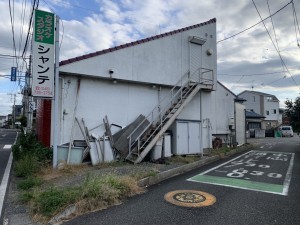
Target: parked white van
287 131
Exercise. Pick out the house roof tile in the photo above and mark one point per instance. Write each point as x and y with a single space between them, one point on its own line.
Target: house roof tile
251 114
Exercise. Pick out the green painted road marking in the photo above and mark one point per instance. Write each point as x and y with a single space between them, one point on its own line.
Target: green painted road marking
238 183
264 171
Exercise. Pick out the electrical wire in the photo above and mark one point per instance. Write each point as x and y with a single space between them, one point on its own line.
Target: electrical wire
275 45
29 27
12 28
256 23
296 24
275 34
62 23
249 75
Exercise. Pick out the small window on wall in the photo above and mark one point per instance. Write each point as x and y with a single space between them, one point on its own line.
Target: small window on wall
253 98
274 111
267 112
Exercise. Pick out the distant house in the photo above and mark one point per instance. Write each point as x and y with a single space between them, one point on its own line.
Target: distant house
254 124
17 111
264 104
3 121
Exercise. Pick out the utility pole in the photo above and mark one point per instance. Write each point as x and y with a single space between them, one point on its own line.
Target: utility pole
29 97
13 109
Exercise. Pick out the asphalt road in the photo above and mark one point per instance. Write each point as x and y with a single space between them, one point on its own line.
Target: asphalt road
7 139
275 174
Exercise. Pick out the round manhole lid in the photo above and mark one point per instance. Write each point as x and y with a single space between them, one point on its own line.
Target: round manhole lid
190 198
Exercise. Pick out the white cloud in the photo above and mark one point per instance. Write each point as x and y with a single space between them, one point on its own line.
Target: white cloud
95 25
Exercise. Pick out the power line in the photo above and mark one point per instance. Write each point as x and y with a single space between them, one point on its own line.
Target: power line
274 44
255 24
62 23
12 28
275 33
29 27
249 75
296 24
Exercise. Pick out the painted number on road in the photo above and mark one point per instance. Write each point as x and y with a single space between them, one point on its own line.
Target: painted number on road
256 170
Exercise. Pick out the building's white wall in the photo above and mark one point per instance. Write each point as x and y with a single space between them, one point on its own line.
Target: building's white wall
240 125
160 61
121 102
271 106
222 110
253 101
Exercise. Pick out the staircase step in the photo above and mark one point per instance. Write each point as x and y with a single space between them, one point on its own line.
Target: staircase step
155 132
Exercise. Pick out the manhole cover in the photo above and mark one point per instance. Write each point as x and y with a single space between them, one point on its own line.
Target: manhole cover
190 198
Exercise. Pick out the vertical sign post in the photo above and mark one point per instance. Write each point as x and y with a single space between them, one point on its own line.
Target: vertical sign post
55 112
43 55
45 67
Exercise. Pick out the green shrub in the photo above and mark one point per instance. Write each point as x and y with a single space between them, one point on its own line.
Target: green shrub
26 166
26 196
51 200
29 183
29 145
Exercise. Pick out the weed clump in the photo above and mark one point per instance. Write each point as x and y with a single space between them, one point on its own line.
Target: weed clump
93 194
29 155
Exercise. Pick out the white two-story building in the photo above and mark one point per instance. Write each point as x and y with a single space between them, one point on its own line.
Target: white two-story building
264 104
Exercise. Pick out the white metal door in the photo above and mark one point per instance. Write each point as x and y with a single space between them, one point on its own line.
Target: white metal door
182 138
195 60
194 138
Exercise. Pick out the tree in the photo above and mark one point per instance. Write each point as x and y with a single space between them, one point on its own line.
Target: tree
292 110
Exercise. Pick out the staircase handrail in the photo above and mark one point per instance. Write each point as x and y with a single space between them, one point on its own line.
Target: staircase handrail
153 117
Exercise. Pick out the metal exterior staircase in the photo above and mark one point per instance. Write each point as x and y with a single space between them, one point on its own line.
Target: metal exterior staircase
165 113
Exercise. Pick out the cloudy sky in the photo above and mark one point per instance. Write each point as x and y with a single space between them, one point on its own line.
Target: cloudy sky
265 57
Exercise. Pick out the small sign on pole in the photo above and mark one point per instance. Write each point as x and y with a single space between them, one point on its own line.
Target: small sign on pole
13 74
43 55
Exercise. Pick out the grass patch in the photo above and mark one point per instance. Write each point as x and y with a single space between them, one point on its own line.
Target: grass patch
222 150
140 175
93 194
182 159
26 166
53 199
113 164
29 183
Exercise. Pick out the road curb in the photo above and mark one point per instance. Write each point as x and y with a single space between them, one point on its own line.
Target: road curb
148 181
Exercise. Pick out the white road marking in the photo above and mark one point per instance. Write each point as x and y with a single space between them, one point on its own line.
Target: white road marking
207 171
7 147
288 176
5 181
